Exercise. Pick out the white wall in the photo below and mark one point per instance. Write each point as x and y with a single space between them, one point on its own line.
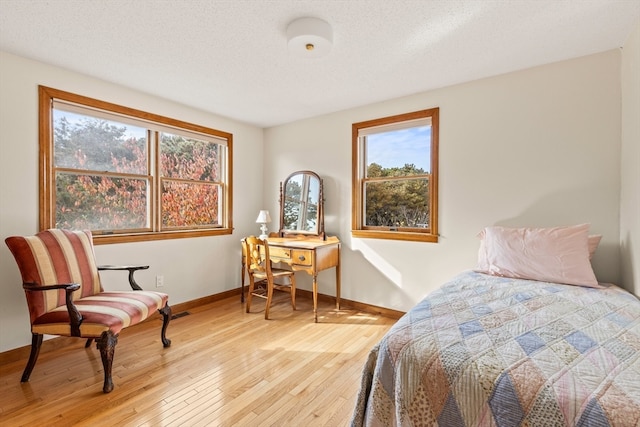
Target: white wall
630 191
192 268
539 147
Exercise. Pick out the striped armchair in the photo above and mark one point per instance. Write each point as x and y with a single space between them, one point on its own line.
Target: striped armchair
64 295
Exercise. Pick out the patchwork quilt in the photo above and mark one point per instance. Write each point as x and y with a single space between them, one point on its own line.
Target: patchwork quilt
492 351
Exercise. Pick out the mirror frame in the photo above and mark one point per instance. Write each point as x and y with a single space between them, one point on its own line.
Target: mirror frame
284 232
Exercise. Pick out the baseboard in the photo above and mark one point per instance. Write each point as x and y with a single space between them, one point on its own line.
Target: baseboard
22 353
367 308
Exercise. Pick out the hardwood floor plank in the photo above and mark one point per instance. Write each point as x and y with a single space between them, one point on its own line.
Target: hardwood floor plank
225 367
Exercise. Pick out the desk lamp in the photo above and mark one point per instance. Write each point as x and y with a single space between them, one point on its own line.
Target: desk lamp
263 218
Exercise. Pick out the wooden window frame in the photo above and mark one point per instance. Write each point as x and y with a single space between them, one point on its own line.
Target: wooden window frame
47 185
358 228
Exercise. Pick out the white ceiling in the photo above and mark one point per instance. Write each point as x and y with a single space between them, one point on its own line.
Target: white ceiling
230 57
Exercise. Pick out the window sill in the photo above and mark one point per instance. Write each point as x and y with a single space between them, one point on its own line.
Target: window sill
106 239
395 235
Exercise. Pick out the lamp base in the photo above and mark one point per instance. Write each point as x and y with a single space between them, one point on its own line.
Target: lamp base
264 230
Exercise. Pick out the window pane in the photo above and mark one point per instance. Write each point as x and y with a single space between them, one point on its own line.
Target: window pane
186 204
91 143
185 158
100 202
397 203
389 153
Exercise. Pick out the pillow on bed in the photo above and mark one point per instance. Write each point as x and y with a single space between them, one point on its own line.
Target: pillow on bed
593 242
558 254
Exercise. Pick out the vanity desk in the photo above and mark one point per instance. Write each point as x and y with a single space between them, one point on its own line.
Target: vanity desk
301 241
311 255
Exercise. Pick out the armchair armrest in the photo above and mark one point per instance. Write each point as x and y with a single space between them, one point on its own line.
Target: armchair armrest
75 318
69 287
131 268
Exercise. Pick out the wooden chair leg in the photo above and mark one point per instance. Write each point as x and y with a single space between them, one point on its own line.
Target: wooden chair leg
107 344
251 287
36 343
269 296
88 343
166 317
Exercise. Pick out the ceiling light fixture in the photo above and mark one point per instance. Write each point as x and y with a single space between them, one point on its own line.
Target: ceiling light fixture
309 37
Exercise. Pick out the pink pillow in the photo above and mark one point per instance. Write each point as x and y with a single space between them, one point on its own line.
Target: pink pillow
558 254
594 241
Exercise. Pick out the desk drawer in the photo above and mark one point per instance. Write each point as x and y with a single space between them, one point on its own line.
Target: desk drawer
276 252
301 257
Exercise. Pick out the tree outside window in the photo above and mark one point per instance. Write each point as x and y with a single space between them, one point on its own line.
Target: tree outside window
190 185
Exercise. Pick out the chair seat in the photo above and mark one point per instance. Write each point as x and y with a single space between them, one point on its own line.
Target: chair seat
276 272
104 311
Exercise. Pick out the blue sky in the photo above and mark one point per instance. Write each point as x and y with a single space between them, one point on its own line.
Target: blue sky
76 119
397 148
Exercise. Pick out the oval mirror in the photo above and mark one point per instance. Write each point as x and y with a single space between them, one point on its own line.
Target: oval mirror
301 207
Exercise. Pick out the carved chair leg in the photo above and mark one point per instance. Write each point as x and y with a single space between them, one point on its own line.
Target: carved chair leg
36 343
166 317
107 344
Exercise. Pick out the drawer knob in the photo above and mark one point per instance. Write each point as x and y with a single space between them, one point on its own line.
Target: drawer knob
301 258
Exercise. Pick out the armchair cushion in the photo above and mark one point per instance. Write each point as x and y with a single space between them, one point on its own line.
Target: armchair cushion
105 311
52 257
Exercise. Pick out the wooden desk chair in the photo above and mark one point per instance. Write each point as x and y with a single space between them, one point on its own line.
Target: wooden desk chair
259 269
64 295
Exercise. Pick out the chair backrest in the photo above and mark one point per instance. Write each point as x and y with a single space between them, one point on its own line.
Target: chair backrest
55 257
257 255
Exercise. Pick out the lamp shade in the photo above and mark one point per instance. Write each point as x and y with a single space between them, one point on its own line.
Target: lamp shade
263 217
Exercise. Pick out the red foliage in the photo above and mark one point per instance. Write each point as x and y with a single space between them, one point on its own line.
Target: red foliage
96 201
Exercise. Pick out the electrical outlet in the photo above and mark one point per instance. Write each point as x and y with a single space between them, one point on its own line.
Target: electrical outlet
159 281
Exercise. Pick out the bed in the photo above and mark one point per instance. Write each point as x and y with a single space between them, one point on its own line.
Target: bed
489 350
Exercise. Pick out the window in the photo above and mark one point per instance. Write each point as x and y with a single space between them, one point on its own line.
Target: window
395 177
128 175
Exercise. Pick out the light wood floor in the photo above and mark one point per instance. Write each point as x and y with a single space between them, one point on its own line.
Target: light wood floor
225 367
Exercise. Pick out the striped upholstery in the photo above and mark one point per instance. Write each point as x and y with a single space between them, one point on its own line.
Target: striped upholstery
60 257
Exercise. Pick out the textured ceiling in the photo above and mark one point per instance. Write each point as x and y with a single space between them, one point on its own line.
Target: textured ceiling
231 57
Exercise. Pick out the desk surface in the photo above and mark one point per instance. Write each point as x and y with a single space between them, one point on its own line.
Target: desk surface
307 243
